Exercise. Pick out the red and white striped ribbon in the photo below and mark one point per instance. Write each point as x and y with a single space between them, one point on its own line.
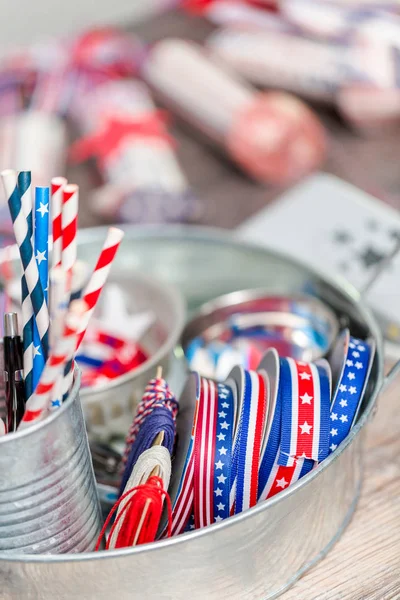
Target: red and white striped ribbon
204 455
99 276
63 352
57 190
69 221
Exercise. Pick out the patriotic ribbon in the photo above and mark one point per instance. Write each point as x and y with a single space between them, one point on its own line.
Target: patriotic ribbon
305 412
274 477
213 454
248 440
349 392
183 504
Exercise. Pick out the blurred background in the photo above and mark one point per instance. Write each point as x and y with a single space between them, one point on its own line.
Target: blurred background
254 95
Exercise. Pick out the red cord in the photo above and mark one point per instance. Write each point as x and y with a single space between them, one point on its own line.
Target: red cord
151 495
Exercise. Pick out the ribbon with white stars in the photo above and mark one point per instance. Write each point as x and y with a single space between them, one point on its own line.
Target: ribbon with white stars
248 441
273 477
305 412
212 454
349 391
223 452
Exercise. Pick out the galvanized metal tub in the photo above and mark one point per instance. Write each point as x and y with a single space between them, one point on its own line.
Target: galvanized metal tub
48 497
255 555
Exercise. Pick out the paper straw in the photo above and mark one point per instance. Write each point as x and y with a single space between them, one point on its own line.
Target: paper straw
41 240
24 243
69 220
57 187
25 190
63 352
99 277
58 303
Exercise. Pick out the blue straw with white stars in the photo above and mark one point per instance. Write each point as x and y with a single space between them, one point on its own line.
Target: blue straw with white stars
41 241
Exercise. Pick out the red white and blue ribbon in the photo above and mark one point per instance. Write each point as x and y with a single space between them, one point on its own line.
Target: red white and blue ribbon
212 454
305 413
358 356
274 477
248 440
183 504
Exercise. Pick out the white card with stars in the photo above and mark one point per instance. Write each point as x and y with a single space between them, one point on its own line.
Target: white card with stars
332 225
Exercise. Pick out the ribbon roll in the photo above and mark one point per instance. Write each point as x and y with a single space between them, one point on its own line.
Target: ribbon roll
253 406
274 478
213 454
182 489
354 369
305 412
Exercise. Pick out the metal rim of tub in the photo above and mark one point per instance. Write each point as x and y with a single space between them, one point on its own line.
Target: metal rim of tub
350 293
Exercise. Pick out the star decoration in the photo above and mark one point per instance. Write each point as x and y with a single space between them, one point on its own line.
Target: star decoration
352 345
219 465
306 399
224 425
359 365
36 351
191 526
218 492
43 209
56 403
222 414
349 363
370 257
343 403
333 432
281 483
223 451
40 256
225 405
218 519
333 447
220 506
305 428
361 348
344 418
356 354
353 390
221 478
342 237
343 388
221 437
305 375
351 376
334 416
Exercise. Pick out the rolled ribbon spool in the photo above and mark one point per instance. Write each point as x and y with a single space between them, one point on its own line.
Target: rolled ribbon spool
351 363
274 137
135 152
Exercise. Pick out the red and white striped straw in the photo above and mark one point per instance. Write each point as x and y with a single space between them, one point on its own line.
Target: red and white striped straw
57 188
99 276
63 352
69 221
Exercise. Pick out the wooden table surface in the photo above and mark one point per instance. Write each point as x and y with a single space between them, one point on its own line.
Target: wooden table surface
365 563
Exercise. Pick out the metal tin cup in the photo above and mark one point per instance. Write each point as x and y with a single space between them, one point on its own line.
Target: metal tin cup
48 496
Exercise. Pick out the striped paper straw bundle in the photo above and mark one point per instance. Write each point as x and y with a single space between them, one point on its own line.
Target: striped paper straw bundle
50 344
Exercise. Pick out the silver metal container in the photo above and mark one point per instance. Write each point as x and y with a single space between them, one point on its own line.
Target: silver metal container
299 326
259 553
48 496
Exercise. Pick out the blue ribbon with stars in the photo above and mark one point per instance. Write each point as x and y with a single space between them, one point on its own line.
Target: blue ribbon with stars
349 391
41 241
223 452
